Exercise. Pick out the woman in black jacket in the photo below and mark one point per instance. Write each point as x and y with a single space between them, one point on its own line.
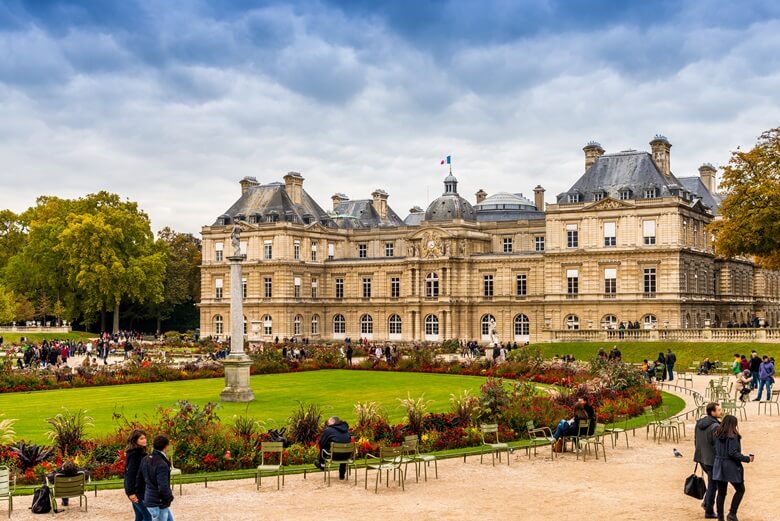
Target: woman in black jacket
728 466
134 487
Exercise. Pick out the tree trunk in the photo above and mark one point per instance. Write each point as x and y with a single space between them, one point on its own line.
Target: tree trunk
116 318
159 324
103 320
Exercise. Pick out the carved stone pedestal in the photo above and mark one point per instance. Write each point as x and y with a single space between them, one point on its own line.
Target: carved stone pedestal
237 387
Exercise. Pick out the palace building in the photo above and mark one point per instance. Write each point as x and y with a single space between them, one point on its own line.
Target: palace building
627 243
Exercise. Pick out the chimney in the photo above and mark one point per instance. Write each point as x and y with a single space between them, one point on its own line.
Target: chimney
247 183
380 202
539 197
481 194
707 173
293 185
338 199
593 151
415 209
661 146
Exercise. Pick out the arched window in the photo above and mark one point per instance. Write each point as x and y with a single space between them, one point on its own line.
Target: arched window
431 327
339 325
571 322
366 325
698 319
394 325
432 285
687 321
522 327
649 321
609 322
297 321
484 326
315 324
268 328
218 325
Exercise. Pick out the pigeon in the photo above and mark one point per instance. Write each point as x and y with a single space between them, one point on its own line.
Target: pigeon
676 453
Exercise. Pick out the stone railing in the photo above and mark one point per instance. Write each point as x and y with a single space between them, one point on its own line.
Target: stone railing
651 335
34 329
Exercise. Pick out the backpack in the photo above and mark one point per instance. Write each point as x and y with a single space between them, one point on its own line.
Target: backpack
41 503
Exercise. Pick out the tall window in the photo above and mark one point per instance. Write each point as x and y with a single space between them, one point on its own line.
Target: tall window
624 195
362 250
507 244
394 325
389 249
268 286
331 250
243 288
366 325
314 251
571 322
297 287
432 285
650 321
522 285
648 228
487 285
267 249
484 325
297 321
431 325
610 238
268 328
395 287
245 326
313 287
315 324
522 325
649 282
572 282
609 322
539 243
366 287
572 236
297 250
217 289
695 234
339 324
218 325
218 247
339 288
610 282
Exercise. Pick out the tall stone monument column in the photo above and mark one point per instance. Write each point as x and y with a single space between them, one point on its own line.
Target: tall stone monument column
237 388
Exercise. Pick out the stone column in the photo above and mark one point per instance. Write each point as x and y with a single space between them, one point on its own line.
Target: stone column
237 388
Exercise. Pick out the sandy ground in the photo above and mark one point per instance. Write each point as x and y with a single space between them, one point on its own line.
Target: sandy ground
642 482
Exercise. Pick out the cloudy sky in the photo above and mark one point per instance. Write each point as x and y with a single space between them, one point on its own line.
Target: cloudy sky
171 103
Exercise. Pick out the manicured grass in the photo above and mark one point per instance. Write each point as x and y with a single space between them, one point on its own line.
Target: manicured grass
686 352
275 397
9 338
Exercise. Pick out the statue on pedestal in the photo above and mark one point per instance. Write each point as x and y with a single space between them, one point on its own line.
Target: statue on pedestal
494 340
235 239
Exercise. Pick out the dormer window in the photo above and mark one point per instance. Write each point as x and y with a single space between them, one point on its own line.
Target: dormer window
624 195
598 196
651 193
573 198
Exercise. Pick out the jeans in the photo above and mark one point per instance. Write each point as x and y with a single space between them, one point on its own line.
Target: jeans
739 491
561 429
669 368
709 497
160 514
761 385
754 381
141 512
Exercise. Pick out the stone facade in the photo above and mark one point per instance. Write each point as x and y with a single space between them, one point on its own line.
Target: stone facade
627 243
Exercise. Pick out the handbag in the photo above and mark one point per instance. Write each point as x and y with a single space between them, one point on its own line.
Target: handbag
694 485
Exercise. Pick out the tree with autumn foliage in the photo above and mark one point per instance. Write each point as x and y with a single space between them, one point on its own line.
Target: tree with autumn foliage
750 224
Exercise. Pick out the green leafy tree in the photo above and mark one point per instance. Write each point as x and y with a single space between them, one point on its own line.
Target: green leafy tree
750 223
7 306
12 236
23 309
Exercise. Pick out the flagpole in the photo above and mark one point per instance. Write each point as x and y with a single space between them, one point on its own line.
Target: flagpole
450 165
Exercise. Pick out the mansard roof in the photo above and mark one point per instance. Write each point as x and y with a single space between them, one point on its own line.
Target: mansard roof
694 185
361 213
269 200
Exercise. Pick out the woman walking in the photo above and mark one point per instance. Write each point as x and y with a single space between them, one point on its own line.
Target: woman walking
134 486
728 466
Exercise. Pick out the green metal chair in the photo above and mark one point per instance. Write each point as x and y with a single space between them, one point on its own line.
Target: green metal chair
273 450
176 473
618 427
594 440
495 448
774 401
62 487
390 458
339 454
422 461
539 436
6 492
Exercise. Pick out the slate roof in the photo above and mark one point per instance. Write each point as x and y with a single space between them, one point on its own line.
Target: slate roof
694 185
260 201
612 173
503 206
360 213
415 217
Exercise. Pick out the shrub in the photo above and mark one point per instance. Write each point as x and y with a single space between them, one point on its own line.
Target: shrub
465 407
305 423
190 421
415 412
493 399
31 455
67 430
245 427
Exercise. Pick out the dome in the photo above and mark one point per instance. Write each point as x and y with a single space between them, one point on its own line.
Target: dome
506 201
449 207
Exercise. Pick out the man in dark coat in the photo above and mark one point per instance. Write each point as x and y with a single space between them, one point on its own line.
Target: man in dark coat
156 475
335 431
704 453
671 359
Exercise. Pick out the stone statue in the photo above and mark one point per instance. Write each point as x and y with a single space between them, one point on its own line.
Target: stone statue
494 340
235 239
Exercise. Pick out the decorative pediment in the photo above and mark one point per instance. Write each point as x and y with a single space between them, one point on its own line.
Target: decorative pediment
608 203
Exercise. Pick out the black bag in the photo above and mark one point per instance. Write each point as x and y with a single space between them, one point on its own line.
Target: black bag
694 485
41 503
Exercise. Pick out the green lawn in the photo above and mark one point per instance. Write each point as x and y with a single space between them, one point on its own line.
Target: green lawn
686 352
275 397
9 338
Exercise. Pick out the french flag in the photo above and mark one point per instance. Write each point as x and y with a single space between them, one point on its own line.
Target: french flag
447 160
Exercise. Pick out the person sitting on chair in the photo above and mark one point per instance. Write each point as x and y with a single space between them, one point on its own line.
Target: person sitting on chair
570 427
335 431
68 470
745 379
